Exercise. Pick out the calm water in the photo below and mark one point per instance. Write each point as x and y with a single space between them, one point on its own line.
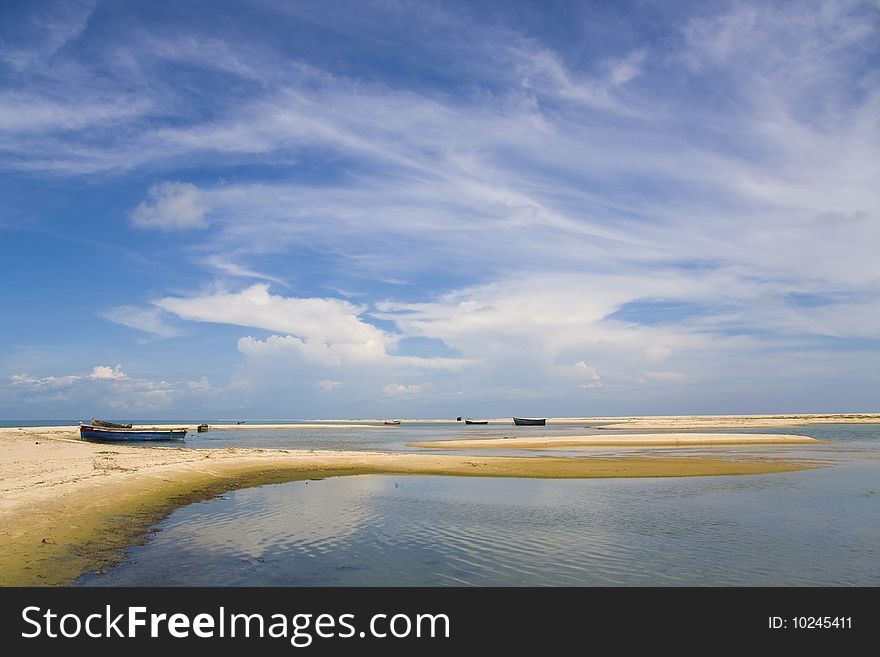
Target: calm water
805 528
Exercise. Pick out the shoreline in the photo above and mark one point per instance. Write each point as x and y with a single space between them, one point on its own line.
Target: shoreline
632 422
69 506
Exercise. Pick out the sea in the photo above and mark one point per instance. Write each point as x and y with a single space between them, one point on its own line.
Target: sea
810 528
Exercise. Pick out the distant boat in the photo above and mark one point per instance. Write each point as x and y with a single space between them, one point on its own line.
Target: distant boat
202 428
109 425
392 422
469 421
91 432
529 422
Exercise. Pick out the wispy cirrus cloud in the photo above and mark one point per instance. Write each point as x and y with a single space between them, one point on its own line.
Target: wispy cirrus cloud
148 320
535 201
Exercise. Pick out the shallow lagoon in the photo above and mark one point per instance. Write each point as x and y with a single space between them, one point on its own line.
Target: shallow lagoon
819 527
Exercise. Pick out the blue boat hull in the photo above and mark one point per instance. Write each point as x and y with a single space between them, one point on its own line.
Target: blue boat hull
97 433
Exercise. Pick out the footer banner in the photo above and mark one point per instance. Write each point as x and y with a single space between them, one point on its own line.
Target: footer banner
319 620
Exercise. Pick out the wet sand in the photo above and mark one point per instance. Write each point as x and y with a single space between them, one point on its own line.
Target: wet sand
68 506
621 440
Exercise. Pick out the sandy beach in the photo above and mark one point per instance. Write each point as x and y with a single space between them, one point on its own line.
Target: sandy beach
67 506
621 440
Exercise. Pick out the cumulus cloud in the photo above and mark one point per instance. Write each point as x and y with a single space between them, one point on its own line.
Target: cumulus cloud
172 206
108 388
327 330
105 372
26 380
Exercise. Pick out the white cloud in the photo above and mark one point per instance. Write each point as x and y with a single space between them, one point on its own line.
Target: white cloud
591 372
328 385
399 389
627 68
172 206
105 372
325 330
26 380
222 264
555 193
38 36
148 320
105 389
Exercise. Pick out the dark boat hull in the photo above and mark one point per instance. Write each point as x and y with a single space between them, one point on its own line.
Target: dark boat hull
476 421
529 422
88 432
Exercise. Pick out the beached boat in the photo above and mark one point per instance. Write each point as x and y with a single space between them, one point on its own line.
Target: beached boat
392 422
109 425
91 432
529 421
470 421
202 428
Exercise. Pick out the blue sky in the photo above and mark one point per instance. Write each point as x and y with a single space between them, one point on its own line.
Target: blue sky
422 209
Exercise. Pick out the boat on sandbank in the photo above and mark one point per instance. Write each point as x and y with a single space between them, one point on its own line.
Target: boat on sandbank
92 432
529 421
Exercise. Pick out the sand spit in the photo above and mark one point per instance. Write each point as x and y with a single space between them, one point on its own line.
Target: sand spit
68 506
731 421
622 440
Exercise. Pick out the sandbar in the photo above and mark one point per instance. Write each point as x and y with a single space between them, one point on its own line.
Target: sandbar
665 423
621 440
69 506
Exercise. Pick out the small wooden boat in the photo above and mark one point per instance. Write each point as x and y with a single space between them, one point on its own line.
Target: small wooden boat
109 425
91 432
392 422
202 428
529 421
470 421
